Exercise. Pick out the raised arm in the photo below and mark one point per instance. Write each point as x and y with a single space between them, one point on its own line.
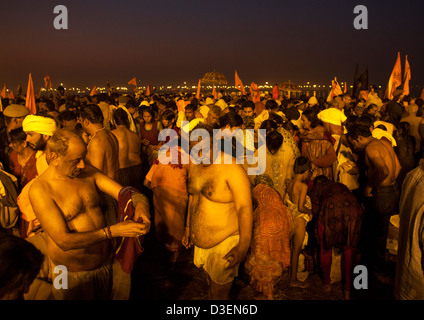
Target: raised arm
54 224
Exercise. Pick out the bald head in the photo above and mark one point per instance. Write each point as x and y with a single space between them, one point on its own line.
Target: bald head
61 140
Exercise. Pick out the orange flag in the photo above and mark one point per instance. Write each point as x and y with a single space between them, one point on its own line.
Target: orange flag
239 84
406 77
133 81
345 87
254 91
11 95
215 95
3 92
30 97
94 91
275 93
395 78
336 90
198 89
148 90
48 82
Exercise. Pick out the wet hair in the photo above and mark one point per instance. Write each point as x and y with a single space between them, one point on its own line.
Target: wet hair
167 115
17 134
191 107
20 263
356 130
274 140
312 116
301 165
232 119
67 115
320 179
92 113
269 125
276 118
248 104
50 105
121 117
215 110
271 105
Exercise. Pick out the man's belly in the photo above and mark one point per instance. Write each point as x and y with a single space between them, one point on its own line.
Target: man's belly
211 222
80 259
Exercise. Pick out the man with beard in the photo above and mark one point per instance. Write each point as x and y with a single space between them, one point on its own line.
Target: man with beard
39 130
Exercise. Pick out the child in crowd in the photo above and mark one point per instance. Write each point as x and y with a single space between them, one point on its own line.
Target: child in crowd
299 204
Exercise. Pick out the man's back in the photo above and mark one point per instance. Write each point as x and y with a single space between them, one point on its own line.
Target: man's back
381 150
103 153
129 147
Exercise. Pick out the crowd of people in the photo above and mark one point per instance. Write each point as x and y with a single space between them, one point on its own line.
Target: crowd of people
85 178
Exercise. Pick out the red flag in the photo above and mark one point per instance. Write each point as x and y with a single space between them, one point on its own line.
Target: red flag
215 95
239 84
345 87
30 97
4 92
94 91
11 95
254 91
148 90
395 78
198 90
406 77
275 93
133 81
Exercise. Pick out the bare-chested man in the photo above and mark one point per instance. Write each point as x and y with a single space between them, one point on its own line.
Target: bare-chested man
381 191
219 221
130 169
103 152
67 204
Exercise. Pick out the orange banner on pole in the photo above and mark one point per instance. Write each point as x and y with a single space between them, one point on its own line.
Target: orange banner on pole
48 82
239 85
133 81
406 77
215 95
30 97
395 79
148 90
4 92
198 89
94 91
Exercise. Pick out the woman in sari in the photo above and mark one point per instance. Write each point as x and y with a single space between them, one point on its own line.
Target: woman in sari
168 181
269 252
339 220
317 145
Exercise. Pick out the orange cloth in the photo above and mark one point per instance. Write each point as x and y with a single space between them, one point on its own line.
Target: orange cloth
269 252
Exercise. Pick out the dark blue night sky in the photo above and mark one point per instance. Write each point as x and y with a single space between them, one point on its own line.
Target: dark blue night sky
169 42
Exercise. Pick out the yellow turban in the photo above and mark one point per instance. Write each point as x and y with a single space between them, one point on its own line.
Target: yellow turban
39 124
